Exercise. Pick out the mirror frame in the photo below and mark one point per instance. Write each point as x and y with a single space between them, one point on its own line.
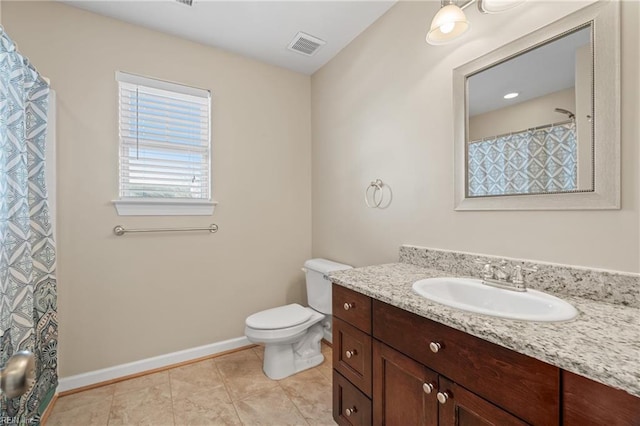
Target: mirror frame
604 17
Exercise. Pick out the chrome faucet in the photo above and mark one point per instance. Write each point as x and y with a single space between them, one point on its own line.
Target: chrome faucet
504 277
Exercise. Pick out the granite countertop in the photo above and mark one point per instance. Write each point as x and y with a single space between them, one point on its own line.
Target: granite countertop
602 343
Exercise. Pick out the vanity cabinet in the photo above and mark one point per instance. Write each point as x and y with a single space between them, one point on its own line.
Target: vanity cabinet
394 367
521 385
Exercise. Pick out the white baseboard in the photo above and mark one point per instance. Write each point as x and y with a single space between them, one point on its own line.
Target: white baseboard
123 370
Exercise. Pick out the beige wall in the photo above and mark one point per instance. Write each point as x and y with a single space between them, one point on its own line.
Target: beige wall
383 109
128 298
532 113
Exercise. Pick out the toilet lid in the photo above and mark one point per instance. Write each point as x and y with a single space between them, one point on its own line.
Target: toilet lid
280 317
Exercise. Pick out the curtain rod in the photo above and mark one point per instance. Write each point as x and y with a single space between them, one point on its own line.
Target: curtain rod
531 129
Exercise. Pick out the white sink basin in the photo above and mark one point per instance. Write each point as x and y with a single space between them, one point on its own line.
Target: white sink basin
472 295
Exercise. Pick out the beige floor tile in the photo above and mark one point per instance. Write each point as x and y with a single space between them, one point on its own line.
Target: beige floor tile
93 414
247 355
199 383
328 422
310 391
242 374
147 406
148 381
198 377
205 406
271 407
228 390
326 368
92 396
259 350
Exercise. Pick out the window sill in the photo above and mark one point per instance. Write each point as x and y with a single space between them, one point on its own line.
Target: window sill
169 207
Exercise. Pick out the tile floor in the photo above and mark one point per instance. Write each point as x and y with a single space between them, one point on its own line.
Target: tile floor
228 390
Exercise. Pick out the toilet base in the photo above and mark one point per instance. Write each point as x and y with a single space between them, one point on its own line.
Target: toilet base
284 360
327 325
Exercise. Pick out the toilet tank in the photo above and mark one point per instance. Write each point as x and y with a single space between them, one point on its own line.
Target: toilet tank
318 284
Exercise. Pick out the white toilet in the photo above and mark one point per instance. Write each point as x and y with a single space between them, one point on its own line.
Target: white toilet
291 334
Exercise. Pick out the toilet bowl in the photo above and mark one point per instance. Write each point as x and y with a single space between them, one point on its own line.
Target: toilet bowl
292 333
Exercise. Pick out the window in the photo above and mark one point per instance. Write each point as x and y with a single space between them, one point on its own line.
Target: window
165 148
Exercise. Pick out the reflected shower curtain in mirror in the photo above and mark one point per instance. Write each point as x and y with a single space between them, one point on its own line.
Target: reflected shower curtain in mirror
543 159
27 252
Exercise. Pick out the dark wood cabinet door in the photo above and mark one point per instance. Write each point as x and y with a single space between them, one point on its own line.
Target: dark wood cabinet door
588 403
460 407
400 389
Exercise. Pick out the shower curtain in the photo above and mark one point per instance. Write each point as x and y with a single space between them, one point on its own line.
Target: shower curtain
27 251
543 159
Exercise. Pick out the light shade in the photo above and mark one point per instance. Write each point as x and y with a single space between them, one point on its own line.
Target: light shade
497 6
449 23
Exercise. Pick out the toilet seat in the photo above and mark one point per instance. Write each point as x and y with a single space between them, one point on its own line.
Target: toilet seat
280 317
262 335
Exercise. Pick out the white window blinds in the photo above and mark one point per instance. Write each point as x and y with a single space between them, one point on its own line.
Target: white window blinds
165 141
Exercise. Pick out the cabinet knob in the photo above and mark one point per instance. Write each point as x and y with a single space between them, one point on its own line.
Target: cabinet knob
351 353
350 411
428 387
347 306
443 397
435 347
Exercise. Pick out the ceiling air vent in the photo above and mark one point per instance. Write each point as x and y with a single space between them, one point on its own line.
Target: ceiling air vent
187 2
305 44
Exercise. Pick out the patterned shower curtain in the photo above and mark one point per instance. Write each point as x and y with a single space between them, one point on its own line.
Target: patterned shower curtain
532 161
27 252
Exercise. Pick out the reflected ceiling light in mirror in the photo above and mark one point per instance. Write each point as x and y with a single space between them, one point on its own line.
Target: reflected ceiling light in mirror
448 24
511 95
497 6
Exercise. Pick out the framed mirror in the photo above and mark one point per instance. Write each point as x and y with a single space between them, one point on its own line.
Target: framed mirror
537 121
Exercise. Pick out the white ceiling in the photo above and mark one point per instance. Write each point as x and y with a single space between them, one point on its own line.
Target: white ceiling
257 29
546 69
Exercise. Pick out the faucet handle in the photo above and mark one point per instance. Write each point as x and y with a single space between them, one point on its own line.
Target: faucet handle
487 270
517 277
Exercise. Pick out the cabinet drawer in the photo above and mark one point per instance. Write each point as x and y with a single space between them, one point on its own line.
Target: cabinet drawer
499 375
350 406
352 307
586 402
352 354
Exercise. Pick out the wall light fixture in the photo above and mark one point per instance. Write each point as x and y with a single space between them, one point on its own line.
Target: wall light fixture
450 22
